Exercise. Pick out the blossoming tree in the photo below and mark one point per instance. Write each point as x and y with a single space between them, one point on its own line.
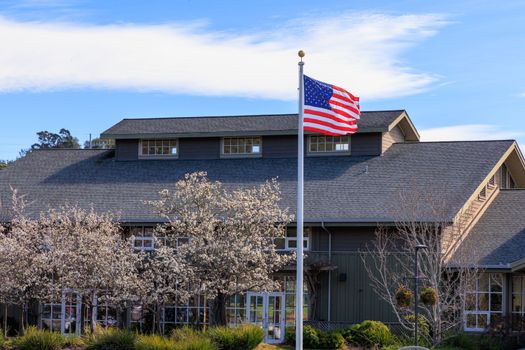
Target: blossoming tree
225 236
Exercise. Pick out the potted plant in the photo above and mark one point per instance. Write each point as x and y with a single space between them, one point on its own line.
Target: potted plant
404 296
428 296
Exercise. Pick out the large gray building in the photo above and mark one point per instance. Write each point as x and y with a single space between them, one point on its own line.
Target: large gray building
352 186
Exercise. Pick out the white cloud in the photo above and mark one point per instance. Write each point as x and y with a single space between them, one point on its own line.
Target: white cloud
361 52
522 94
468 132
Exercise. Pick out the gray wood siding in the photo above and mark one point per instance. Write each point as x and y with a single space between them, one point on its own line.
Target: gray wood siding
127 149
349 239
366 144
392 136
199 148
284 146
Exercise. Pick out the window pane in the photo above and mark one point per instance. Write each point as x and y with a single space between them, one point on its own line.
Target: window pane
471 321
483 301
516 284
495 302
483 282
482 321
516 303
470 302
496 282
279 243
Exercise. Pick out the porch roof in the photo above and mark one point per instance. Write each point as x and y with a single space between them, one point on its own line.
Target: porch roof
498 238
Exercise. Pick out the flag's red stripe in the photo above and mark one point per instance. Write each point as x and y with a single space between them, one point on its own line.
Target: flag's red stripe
355 98
330 125
330 115
337 103
321 131
345 101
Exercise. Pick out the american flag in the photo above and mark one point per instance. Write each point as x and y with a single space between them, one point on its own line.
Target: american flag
329 109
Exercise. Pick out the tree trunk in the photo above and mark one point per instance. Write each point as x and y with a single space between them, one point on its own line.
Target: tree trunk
219 310
22 319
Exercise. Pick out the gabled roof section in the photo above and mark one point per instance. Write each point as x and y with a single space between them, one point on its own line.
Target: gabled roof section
498 238
337 189
271 124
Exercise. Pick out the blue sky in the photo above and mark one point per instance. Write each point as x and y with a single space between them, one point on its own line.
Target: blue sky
455 66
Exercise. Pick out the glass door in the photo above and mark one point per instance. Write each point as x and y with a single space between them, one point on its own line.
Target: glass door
71 313
267 311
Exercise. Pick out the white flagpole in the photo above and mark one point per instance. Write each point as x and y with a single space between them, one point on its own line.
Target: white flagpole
300 241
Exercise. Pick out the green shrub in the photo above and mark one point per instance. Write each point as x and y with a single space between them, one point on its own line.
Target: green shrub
316 339
310 337
241 338
369 334
472 342
154 342
197 343
330 340
185 332
35 339
112 339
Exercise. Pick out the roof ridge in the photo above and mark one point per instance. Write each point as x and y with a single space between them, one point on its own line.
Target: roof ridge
248 115
455 141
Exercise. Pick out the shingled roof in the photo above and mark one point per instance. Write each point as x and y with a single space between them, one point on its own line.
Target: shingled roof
337 189
498 238
373 121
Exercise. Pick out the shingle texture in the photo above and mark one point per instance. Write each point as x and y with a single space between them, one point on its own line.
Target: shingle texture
374 121
344 188
498 238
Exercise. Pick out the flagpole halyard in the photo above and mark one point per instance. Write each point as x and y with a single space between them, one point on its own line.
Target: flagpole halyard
299 296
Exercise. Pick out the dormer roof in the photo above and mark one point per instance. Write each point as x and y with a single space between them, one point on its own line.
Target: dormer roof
269 124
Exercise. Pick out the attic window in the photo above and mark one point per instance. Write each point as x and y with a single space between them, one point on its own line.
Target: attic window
241 146
159 148
329 144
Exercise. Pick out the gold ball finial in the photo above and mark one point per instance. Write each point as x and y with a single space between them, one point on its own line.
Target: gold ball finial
301 53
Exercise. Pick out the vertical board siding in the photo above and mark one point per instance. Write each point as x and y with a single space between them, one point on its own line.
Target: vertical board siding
279 146
366 144
127 149
353 300
199 148
392 136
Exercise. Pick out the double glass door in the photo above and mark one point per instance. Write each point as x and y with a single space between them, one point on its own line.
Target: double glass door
267 311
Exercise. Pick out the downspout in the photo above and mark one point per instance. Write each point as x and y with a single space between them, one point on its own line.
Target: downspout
329 314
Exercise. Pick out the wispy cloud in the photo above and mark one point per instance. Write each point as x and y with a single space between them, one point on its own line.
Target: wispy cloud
362 52
521 94
468 132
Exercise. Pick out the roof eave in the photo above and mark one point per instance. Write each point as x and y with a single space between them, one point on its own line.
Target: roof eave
106 135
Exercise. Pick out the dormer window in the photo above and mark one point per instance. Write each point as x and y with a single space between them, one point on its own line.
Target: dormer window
159 148
329 144
241 146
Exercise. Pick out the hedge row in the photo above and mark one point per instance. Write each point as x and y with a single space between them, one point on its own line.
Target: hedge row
240 338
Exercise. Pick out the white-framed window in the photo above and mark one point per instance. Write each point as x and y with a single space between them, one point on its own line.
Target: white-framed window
195 312
328 144
51 317
159 148
518 302
143 238
483 302
180 241
289 242
289 284
236 310
241 146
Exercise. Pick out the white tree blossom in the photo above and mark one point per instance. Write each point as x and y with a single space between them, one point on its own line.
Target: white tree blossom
227 236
